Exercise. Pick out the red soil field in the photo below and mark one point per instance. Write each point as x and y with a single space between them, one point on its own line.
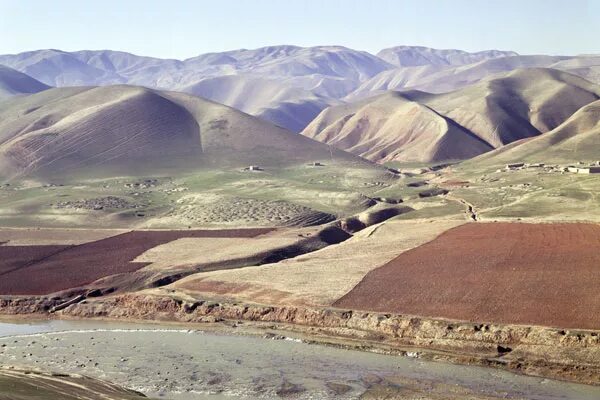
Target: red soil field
36 270
15 257
533 274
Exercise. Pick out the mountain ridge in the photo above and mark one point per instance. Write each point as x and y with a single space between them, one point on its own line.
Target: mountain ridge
497 111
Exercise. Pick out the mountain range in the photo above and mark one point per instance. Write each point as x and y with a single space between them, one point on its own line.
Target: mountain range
405 103
287 85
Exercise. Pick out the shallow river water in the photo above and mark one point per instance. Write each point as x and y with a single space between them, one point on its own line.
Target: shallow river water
174 363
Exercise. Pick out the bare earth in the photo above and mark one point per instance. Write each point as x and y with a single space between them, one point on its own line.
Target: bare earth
54 236
533 274
48 269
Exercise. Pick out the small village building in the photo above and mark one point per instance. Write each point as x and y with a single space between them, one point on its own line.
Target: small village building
592 169
589 170
514 166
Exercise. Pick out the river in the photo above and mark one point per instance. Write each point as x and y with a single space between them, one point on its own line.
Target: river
171 362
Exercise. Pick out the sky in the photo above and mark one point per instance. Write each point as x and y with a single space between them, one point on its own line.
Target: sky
183 29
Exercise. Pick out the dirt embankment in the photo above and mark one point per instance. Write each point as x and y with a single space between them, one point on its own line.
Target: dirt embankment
532 274
549 352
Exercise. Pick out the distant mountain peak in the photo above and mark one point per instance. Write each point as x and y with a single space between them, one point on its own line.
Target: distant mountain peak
412 56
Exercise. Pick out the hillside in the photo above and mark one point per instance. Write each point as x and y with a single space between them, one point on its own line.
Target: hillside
440 78
575 140
419 126
391 127
279 102
126 130
14 82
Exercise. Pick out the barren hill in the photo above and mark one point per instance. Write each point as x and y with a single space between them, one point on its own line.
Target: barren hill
419 126
577 139
14 82
393 127
127 130
289 85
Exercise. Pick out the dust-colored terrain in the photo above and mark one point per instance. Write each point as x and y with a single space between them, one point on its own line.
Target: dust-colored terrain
84 132
317 278
292 276
132 203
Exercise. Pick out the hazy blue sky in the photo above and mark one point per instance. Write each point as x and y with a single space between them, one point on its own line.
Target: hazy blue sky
181 29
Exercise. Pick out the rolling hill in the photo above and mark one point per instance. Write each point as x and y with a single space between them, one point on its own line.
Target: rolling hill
14 83
575 140
425 127
439 78
392 127
127 130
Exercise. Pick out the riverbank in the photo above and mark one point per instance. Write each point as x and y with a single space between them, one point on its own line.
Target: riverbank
309 284
570 355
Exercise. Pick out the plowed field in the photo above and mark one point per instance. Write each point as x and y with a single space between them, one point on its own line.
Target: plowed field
540 274
33 270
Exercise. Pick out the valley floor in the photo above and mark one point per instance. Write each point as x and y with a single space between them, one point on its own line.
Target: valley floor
473 267
470 305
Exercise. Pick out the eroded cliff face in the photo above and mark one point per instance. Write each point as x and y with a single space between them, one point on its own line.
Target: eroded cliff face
572 355
15 305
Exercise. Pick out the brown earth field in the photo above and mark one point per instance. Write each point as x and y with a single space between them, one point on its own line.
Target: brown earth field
38 270
514 273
